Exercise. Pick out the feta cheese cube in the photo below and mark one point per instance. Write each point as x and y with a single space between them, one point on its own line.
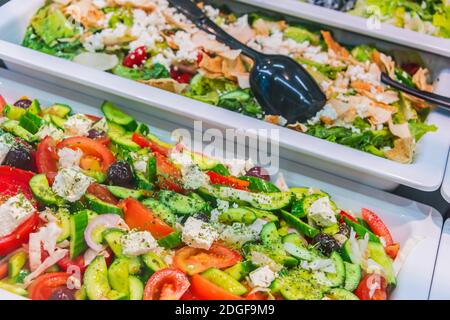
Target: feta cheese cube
69 158
193 178
261 277
198 234
51 131
136 243
71 184
322 213
78 125
13 212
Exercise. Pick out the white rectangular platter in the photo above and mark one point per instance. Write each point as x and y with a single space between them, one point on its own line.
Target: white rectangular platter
440 289
445 189
406 219
425 173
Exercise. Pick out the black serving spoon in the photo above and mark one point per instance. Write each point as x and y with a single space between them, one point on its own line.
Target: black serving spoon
281 85
440 101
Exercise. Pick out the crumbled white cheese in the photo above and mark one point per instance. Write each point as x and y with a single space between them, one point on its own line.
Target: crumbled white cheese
260 259
325 265
4 149
322 213
101 125
222 206
78 125
198 234
69 158
239 167
193 178
13 212
136 243
140 162
237 234
51 131
261 277
71 184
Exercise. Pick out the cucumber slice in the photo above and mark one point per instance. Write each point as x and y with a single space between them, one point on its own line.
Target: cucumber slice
341 294
241 215
240 270
361 230
124 193
162 211
294 238
299 225
378 254
298 251
31 122
113 239
153 262
59 110
63 216
42 191
114 114
264 215
151 169
352 276
58 121
78 223
171 241
35 107
13 112
96 279
124 141
225 281
337 279
136 288
142 129
181 204
16 263
134 265
101 207
118 275
269 234
15 289
12 126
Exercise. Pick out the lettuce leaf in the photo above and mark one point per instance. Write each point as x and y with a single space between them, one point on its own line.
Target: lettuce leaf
419 129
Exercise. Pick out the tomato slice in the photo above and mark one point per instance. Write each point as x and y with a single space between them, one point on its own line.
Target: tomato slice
14 240
166 284
346 215
46 156
193 260
13 181
90 163
42 287
102 193
206 290
144 142
392 250
2 103
258 295
90 147
3 270
180 77
228 181
137 216
377 226
372 287
169 175
188 295
135 57
65 263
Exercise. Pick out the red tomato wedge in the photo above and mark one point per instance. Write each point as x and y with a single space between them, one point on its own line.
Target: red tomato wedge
372 287
19 236
2 103
90 147
144 142
346 215
206 290
377 226
135 57
188 295
193 260
46 156
168 174
90 163
13 181
43 287
392 250
166 284
137 216
65 263
228 181
3 270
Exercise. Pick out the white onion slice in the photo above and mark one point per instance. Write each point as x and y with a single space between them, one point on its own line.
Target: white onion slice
105 220
97 60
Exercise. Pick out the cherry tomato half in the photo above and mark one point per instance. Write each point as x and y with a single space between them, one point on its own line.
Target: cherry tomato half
166 284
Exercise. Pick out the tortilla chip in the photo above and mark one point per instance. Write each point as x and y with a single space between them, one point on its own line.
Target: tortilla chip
400 130
212 65
300 127
402 152
420 80
166 84
334 46
86 13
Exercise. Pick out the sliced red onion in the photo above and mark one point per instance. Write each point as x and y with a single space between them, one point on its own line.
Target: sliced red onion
105 220
258 172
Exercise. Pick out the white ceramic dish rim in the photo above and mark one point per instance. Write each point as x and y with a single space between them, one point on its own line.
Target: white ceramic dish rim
440 287
445 189
426 173
405 218
342 20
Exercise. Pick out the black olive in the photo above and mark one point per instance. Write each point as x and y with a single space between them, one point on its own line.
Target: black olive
120 174
95 134
62 293
19 157
258 172
325 244
344 229
201 216
23 103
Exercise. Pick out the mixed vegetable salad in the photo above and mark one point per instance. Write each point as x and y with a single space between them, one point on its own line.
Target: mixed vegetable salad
99 208
425 16
148 41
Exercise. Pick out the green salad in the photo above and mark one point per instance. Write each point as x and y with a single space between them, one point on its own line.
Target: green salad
150 42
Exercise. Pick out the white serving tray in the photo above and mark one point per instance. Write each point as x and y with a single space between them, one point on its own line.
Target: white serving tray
445 189
440 289
426 173
345 21
404 217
